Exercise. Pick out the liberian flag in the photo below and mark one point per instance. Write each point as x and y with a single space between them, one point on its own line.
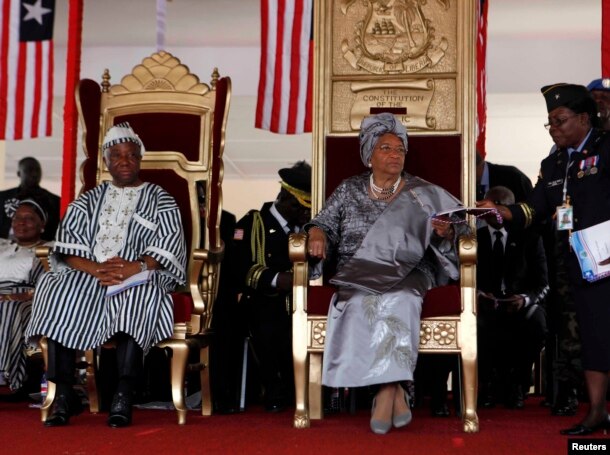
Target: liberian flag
285 83
26 68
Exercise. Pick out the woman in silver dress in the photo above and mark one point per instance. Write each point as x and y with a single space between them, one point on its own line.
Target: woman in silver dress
390 250
18 275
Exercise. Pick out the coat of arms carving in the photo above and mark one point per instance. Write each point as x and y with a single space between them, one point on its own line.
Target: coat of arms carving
393 37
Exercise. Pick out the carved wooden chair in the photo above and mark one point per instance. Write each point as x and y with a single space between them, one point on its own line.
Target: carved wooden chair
449 312
441 150
182 123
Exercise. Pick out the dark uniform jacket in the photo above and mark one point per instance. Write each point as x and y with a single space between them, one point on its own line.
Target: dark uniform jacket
589 194
261 260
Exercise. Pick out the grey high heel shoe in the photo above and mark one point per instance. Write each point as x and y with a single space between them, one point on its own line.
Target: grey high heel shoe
379 426
404 419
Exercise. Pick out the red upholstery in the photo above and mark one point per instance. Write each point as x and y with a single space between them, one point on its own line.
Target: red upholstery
433 158
441 301
90 95
159 128
183 306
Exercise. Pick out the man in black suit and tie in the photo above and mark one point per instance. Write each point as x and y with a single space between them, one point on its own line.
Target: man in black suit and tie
512 281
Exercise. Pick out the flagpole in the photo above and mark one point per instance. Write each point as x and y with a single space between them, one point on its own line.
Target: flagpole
606 42
73 60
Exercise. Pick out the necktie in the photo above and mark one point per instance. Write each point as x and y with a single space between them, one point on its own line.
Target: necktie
497 266
480 192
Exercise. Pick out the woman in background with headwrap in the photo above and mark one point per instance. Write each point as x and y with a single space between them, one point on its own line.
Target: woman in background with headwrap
18 275
391 250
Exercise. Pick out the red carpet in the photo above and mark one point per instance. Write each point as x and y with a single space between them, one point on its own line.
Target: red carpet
531 430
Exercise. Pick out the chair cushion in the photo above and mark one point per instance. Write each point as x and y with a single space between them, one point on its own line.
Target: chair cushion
441 301
183 306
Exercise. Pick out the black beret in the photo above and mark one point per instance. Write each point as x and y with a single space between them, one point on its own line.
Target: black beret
297 176
562 94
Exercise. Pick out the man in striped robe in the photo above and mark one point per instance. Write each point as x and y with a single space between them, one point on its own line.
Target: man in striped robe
111 233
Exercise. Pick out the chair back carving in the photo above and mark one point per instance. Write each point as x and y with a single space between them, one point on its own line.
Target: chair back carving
181 122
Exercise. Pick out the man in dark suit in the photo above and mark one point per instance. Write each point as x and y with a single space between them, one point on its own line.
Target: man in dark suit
264 274
29 173
490 175
512 281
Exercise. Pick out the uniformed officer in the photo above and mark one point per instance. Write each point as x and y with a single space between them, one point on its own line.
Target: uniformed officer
265 277
600 91
575 180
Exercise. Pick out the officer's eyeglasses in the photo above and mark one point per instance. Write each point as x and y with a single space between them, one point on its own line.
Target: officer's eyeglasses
558 122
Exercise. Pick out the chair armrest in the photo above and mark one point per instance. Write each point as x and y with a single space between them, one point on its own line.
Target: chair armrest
297 252
203 285
467 253
43 253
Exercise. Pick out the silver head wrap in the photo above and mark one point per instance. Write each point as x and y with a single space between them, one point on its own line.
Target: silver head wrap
375 126
119 133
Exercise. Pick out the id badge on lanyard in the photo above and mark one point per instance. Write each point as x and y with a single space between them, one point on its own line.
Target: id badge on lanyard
565 213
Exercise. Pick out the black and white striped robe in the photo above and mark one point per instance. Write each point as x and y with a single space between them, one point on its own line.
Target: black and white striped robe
15 315
71 307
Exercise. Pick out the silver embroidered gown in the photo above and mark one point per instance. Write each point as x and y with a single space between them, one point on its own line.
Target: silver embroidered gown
388 257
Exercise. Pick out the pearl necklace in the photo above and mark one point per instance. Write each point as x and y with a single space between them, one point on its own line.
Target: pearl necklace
384 193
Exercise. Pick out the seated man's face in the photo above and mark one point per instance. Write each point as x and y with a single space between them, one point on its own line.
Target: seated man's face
123 161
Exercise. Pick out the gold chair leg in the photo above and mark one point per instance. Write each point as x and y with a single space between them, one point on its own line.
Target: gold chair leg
48 401
92 391
469 394
316 410
300 361
206 391
46 405
180 352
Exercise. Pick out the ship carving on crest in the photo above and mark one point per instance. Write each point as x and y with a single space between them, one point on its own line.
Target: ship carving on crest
394 37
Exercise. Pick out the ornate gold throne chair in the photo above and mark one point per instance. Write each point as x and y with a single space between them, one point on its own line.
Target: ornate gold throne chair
181 122
438 110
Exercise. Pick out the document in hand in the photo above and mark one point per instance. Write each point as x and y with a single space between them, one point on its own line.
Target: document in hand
592 248
133 280
476 211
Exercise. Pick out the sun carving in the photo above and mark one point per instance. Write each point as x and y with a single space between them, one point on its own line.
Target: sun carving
160 72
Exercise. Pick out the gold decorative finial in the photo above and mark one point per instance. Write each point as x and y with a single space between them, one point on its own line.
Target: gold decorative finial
215 77
105 81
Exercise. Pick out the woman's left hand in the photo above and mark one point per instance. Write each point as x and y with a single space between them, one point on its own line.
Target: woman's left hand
443 227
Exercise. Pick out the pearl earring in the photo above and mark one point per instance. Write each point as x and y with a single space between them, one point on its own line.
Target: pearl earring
370 165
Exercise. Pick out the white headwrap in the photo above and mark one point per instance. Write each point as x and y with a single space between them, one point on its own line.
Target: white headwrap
122 132
375 126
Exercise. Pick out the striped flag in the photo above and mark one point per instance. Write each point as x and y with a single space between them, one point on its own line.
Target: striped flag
481 76
26 68
285 83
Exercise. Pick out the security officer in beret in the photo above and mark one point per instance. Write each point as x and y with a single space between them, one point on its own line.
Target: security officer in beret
265 277
600 91
575 180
